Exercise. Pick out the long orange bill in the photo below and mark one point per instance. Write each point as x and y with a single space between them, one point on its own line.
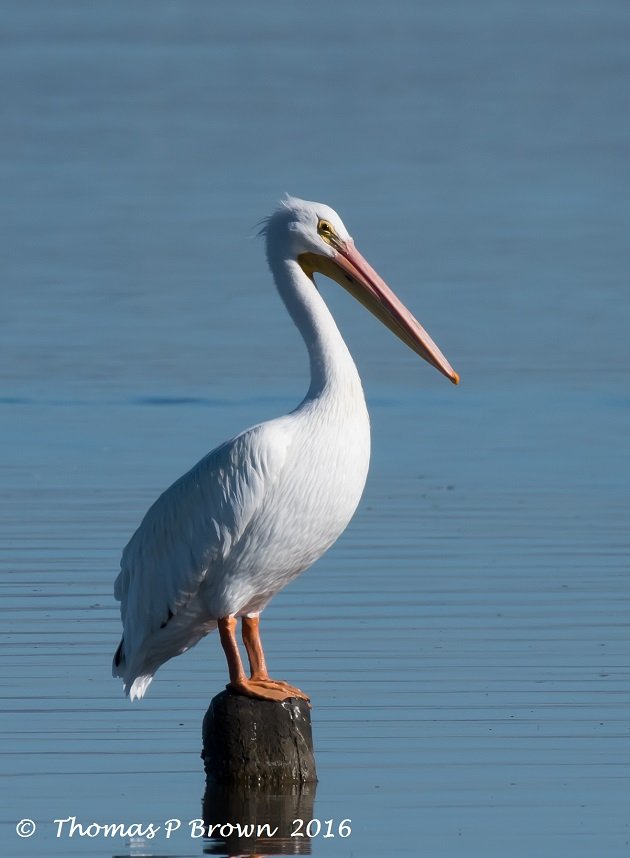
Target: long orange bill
362 281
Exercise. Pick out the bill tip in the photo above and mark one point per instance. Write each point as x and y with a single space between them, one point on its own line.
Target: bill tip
455 378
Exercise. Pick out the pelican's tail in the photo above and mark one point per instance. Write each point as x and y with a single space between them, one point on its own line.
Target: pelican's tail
134 684
138 687
118 664
137 669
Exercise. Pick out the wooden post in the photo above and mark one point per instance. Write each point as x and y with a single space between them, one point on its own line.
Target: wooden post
252 742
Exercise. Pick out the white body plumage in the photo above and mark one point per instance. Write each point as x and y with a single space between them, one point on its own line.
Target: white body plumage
261 508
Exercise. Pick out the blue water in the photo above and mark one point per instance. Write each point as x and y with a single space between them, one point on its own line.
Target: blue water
466 644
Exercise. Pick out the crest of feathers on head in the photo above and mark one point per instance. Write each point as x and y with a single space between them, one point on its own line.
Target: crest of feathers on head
287 202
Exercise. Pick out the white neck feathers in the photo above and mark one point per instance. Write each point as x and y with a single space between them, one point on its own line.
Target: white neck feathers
331 363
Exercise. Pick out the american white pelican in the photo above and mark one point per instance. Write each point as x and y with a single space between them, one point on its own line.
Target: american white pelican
261 508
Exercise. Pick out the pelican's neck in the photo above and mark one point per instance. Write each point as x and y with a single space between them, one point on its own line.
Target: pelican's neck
332 367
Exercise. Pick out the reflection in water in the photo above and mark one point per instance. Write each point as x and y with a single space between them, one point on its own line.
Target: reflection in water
252 821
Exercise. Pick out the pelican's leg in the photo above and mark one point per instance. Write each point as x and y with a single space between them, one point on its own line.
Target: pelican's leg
256 656
238 681
253 646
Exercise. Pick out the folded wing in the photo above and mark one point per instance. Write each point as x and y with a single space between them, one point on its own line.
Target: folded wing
190 528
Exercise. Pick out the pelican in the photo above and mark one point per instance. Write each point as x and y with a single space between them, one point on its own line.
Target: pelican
260 509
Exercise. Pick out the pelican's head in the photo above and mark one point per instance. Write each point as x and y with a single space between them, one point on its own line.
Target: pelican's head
315 236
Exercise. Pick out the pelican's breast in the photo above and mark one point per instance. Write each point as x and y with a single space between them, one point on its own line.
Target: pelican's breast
309 505
331 456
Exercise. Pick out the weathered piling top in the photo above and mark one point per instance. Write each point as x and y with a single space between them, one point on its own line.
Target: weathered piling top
258 742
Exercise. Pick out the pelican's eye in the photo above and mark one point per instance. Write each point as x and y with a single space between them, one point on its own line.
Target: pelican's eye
326 230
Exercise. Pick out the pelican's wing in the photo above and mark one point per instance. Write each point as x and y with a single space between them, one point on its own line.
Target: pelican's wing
193 526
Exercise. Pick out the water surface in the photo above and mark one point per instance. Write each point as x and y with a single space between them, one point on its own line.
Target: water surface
466 644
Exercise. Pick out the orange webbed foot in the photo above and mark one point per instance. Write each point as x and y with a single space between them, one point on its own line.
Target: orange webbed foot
280 684
266 689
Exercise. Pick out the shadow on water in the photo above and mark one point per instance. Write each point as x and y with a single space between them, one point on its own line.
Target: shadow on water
251 821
